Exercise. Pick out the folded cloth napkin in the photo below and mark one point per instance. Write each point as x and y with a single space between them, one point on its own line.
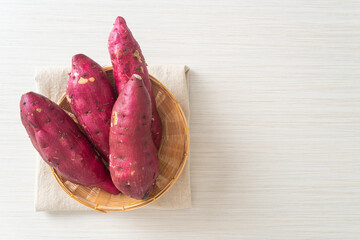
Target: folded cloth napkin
51 82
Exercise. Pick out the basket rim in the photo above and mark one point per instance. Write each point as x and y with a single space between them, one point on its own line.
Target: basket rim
139 203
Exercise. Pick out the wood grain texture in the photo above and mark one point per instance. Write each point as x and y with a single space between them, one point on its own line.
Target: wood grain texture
275 114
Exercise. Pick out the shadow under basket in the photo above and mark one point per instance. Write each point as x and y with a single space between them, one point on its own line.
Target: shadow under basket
172 155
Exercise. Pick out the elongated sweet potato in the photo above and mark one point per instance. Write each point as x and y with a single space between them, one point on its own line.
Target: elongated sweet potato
91 98
61 144
133 162
127 59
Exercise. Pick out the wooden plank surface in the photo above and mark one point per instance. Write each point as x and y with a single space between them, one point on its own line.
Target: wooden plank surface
275 114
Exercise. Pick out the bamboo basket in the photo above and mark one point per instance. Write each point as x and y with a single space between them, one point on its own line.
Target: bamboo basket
172 155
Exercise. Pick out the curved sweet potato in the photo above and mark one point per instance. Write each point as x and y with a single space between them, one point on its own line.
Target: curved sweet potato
133 162
127 59
91 99
61 144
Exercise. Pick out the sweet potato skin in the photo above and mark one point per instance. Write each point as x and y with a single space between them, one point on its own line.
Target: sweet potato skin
91 99
61 144
127 59
133 164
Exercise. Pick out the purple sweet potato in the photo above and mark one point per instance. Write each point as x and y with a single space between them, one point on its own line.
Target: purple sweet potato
91 99
127 59
61 144
133 162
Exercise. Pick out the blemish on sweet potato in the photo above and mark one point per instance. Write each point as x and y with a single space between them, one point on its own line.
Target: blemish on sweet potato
114 119
118 158
32 124
137 55
82 80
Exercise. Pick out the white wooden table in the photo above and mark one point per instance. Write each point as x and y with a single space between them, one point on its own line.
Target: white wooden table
275 124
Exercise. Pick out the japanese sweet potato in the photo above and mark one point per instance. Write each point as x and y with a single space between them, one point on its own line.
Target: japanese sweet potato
127 59
91 99
61 144
133 161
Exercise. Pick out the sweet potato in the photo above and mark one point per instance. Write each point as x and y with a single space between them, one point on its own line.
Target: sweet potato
61 144
91 98
133 162
127 59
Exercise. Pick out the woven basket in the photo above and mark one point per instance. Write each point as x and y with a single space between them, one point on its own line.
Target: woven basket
172 155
